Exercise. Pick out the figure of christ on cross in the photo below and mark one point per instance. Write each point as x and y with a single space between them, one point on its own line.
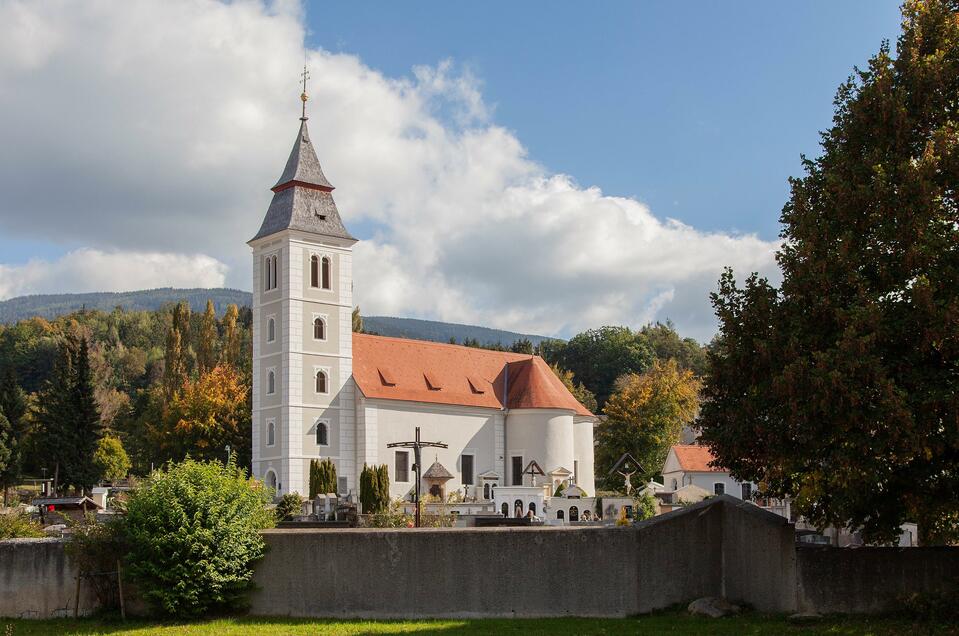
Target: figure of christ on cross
417 444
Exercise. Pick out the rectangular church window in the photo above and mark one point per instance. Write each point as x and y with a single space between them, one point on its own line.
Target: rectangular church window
402 466
466 463
517 471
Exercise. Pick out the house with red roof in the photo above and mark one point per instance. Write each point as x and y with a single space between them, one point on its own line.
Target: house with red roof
321 391
691 473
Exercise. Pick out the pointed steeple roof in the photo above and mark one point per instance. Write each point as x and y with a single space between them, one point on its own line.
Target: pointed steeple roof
302 198
303 168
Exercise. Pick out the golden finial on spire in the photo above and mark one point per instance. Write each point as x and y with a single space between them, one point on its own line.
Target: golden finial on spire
303 96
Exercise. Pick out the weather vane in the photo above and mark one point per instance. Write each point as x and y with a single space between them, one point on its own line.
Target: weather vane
303 96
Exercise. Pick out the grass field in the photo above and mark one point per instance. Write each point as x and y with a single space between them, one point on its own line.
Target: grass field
662 623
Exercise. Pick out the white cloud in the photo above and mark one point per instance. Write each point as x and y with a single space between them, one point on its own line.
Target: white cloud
159 126
89 270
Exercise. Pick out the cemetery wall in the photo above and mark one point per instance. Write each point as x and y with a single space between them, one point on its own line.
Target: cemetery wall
719 547
871 580
37 580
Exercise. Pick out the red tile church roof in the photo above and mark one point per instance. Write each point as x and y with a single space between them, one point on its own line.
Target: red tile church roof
420 371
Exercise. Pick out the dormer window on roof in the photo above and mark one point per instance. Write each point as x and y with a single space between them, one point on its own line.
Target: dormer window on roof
431 382
476 385
386 377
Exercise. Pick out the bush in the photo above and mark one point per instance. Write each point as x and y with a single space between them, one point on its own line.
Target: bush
395 517
289 506
193 535
374 489
95 548
933 606
110 459
645 507
16 525
322 477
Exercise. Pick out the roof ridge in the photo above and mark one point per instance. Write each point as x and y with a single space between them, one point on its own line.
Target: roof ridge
520 356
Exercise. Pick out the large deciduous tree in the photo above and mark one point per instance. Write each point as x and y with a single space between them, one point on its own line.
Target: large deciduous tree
208 414
599 356
646 416
840 387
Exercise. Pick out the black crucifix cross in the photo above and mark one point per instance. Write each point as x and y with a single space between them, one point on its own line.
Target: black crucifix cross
416 445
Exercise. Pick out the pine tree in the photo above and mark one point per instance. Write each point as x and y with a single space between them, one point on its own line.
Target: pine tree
13 406
85 429
206 347
52 412
7 448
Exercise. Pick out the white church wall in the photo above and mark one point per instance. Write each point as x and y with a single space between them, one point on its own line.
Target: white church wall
464 429
543 435
583 449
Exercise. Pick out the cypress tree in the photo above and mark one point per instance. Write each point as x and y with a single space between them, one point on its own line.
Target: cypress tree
206 347
231 337
174 371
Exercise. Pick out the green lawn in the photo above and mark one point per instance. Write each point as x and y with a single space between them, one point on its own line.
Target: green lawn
661 623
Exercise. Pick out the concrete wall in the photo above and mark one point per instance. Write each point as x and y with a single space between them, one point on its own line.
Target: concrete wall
719 547
870 580
449 572
38 581
759 557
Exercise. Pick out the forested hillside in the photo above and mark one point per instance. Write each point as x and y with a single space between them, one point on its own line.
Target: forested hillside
135 389
51 306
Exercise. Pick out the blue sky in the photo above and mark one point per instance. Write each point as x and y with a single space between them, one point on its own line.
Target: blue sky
539 167
699 109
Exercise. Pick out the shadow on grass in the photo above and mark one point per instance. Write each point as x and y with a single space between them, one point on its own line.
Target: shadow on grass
658 623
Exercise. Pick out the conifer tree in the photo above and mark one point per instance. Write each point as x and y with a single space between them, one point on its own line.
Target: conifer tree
206 347
7 448
85 428
69 418
13 406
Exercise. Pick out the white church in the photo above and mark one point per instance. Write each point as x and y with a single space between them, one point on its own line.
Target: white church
322 391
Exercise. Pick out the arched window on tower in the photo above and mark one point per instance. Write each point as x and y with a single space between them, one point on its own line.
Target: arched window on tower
326 272
270 433
271 382
271 480
322 434
275 272
270 330
267 276
319 329
322 382
314 271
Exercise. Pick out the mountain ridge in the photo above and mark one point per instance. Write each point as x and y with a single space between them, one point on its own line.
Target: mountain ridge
51 306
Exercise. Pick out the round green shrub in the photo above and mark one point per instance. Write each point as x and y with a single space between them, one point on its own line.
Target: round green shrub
192 531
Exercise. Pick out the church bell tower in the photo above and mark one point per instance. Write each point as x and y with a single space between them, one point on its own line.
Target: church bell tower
303 390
